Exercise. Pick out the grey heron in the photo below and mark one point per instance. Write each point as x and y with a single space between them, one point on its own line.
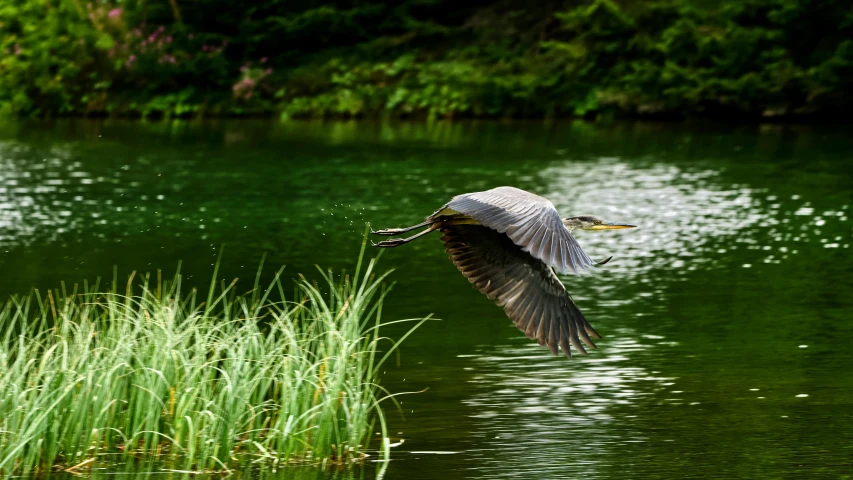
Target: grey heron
507 243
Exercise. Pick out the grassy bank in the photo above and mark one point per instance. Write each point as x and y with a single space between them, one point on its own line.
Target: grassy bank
437 58
148 369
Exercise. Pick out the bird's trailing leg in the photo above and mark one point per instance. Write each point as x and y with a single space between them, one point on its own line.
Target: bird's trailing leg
397 231
396 242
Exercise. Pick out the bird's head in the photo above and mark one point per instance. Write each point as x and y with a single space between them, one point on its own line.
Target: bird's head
588 222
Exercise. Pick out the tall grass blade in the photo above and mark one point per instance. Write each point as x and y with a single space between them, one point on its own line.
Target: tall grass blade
87 375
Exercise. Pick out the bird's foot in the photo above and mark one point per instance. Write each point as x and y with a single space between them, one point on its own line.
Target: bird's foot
394 242
388 231
604 261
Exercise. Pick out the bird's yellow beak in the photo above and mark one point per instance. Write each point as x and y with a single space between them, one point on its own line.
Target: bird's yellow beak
611 226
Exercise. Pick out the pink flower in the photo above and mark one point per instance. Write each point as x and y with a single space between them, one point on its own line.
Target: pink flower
248 95
116 12
205 48
154 35
267 71
17 49
169 39
263 59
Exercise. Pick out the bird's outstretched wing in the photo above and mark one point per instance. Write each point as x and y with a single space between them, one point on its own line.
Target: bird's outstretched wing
527 289
530 221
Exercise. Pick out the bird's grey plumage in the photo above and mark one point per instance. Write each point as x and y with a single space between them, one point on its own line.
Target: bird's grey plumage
530 221
527 289
507 243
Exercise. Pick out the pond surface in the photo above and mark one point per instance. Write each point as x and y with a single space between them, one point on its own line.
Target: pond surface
727 316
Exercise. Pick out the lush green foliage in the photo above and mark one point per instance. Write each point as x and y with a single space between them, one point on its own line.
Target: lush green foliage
201 385
435 58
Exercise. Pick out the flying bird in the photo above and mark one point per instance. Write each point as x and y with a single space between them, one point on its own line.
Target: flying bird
507 243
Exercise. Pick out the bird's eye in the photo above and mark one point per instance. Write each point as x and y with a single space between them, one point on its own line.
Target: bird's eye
598 222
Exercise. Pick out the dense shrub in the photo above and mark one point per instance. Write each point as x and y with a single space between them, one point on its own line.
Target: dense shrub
426 58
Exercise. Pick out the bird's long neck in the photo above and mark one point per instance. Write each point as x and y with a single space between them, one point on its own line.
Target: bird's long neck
571 223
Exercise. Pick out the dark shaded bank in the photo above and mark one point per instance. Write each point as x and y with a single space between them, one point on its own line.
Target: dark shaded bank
660 59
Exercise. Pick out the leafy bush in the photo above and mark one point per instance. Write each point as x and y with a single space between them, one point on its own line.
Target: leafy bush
436 59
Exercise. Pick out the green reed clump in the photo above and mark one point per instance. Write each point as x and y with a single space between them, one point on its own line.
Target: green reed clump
204 385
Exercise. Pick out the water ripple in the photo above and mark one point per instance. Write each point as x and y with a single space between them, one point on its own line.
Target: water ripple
545 417
687 219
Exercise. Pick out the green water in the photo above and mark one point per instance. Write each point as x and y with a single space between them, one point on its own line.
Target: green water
727 316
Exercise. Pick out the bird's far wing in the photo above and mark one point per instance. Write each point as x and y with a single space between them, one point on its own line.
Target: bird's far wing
527 289
530 221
